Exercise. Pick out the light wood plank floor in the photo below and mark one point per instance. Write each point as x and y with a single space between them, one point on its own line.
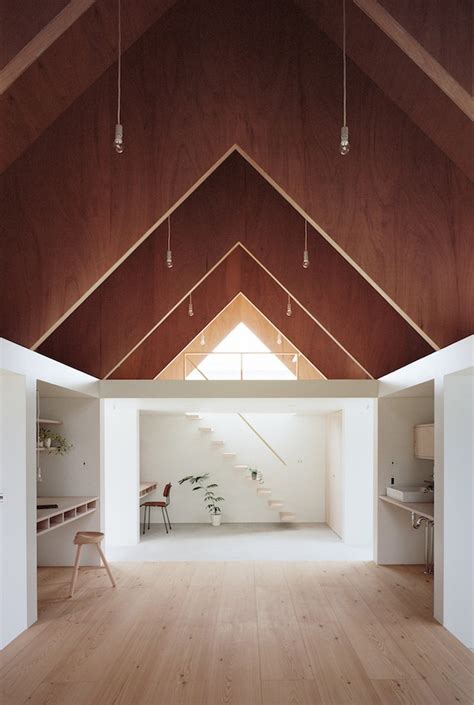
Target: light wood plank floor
237 634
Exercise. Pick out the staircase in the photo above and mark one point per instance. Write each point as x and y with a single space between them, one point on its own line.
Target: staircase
262 490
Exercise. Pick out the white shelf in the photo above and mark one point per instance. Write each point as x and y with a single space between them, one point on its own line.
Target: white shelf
423 509
69 509
49 422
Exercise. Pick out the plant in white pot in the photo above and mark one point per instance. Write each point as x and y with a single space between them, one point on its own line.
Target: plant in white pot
212 502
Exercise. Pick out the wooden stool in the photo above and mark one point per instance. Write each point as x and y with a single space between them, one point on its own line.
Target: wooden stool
80 539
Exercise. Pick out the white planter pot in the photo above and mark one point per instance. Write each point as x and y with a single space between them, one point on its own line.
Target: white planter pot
216 519
47 442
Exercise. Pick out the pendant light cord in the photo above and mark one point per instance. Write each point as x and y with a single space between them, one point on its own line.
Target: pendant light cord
169 232
344 68
119 61
305 234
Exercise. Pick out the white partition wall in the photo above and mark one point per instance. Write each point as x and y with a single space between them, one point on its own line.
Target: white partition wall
435 367
459 505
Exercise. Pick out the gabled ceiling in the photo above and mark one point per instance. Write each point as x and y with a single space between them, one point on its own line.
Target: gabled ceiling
235 205
239 310
391 236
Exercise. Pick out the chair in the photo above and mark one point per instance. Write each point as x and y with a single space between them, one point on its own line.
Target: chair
81 539
164 508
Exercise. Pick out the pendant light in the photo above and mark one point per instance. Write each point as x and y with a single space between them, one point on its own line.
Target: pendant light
279 338
289 310
118 141
344 146
305 253
169 256
202 341
190 306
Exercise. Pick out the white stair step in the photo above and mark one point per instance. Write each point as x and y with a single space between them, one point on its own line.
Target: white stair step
229 455
287 516
217 443
193 416
264 491
206 429
275 504
241 467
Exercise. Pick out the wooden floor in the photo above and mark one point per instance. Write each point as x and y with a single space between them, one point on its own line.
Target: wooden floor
237 634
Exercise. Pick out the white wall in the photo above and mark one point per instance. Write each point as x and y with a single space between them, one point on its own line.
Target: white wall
13 509
19 473
397 541
171 446
75 474
456 357
358 453
120 452
334 473
459 505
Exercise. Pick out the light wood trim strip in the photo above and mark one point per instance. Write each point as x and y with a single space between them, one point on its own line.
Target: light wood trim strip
42 41
418 54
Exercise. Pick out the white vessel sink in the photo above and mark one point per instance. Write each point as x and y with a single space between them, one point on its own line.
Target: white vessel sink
405 493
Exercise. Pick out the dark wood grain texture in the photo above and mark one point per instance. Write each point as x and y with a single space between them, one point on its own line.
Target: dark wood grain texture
20 21
399 78
241 271
235 204
67 68
209 75
443 28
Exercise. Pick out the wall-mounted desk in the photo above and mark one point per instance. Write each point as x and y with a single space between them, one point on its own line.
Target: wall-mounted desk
69 509
147 488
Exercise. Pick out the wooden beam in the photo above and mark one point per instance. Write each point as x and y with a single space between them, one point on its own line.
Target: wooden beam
42 41
418 54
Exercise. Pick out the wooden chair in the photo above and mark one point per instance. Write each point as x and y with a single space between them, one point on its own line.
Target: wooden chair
162 504
81 539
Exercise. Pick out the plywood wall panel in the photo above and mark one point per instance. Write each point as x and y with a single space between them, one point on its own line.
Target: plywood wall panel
207 75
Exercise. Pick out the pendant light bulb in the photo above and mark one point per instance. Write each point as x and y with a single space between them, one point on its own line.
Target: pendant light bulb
190 306
344 148
279 338
118 141
344 145
305 252
169 255
202 342
288 307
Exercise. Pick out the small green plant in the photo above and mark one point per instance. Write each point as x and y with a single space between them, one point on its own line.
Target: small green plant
199 483
59 444
256 475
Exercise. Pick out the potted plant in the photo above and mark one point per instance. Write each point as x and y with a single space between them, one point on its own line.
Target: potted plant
54 442
256 475
209 496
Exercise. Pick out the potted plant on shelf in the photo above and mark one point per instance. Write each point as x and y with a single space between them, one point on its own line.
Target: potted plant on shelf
256 474
54 442
209 497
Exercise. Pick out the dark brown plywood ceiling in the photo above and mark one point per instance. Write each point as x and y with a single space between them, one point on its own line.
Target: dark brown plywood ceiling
232 114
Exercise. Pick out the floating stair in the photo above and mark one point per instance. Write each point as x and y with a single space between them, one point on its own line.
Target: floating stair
217 443
229 455
275 504
287 516
193 416
241 467
263 491
206 429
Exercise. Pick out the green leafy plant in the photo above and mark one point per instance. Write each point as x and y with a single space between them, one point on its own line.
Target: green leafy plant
198 482
256 475
59 444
